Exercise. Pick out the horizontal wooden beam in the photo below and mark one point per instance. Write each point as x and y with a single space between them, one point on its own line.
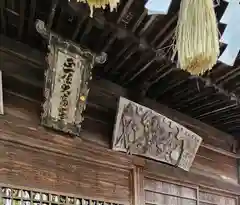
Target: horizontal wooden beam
22 51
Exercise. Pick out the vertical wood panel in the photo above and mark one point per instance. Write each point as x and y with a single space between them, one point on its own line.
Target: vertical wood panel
1 94
238 167
168 193
212 199
138 188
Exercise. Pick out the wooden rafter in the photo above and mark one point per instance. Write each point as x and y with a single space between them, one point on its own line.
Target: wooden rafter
2 12
22 18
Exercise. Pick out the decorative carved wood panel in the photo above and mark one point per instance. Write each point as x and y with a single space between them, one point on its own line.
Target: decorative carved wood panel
142 131
15 196
165 193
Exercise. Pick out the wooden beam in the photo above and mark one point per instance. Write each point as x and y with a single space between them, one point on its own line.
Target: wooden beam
31 29
3 19
22 51
22 18
52 13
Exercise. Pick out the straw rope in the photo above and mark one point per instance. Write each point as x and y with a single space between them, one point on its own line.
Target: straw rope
197 43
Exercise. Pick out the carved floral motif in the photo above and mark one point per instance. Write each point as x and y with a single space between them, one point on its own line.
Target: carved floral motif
142 131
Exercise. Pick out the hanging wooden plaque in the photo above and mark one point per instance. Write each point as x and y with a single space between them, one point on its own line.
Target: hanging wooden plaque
66 81
66 85
142 131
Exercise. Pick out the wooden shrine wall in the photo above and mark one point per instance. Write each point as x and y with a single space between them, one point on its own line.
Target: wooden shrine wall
216 165
34 157
168 193
51 171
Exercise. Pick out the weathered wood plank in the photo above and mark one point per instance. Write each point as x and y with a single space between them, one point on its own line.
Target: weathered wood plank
167 192
155 170
208 163
35 136
214 156
238 167
22 51
1 94
138 186
35 168
215 169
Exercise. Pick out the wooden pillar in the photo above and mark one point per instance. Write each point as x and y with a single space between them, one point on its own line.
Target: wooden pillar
1 94
138 181
238 167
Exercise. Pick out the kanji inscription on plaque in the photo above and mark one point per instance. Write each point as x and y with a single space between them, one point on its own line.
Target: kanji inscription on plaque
142 131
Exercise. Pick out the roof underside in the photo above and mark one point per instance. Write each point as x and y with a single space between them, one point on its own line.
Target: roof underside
139 51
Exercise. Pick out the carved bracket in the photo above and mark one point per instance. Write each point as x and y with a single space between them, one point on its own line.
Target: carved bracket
45 33
141 131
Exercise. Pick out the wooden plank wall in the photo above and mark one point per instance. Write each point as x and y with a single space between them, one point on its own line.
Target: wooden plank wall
206 162
33 157
55 172
167 193
216 165
160 191
49 160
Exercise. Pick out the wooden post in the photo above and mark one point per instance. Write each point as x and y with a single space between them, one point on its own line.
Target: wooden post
238 167
1 94
138 181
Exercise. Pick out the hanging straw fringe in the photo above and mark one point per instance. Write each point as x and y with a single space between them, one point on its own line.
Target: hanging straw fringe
197 42
100 4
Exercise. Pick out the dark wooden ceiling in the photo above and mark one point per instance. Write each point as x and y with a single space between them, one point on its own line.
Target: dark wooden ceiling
139 51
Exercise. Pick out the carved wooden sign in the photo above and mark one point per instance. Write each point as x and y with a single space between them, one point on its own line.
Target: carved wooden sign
66 81
142 131
66 88
1 94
